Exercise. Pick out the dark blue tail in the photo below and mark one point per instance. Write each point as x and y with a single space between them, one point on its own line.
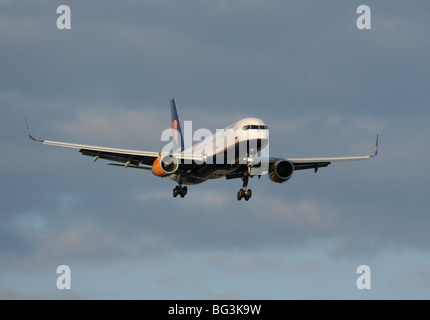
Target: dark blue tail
176 126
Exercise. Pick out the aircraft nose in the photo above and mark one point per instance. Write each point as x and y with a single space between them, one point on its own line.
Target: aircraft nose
265 134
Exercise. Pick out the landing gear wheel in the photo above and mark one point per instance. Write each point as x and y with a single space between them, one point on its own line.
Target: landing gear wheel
248 194
184 191
240 194
176 191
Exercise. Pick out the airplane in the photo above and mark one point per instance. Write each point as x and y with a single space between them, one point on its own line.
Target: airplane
242 143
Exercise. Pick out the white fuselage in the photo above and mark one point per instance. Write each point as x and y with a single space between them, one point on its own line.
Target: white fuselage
227 149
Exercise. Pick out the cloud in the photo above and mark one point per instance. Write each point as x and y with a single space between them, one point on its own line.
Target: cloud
11 294
248 263
305 214
82 243
118 125
419 275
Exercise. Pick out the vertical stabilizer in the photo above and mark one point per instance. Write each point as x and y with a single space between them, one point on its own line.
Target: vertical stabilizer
176 126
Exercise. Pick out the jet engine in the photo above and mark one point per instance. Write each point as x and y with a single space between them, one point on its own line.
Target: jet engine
165 165
281 170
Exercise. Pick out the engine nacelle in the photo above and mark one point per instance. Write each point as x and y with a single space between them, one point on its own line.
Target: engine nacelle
165 165
281 170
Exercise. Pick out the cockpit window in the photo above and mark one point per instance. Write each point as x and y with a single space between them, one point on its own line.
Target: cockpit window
254 127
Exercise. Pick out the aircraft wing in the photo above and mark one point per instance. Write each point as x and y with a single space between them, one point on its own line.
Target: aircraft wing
298 163
131 158
315 163
114 154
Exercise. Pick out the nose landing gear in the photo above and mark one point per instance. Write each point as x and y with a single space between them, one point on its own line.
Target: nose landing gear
244 192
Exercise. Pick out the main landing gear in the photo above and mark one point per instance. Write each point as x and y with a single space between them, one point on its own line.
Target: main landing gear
180 190
244 192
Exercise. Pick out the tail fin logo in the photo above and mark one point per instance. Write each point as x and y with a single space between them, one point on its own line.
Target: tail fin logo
175 131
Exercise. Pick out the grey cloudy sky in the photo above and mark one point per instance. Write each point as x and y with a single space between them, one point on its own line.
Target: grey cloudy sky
324 87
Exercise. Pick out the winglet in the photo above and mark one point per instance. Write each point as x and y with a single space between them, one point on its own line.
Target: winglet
376 147
29 133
